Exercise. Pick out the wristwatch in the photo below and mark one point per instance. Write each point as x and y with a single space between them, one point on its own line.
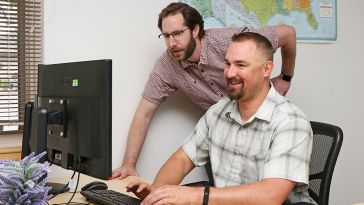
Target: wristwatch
206 193
286 77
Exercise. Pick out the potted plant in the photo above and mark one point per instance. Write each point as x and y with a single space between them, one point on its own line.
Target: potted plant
24 181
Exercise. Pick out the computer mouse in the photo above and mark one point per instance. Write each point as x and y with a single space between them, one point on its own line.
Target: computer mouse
95 185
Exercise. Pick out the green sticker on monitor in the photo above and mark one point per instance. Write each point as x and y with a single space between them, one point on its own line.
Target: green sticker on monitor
74 82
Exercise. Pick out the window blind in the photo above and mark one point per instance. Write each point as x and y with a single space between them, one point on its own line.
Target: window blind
20 54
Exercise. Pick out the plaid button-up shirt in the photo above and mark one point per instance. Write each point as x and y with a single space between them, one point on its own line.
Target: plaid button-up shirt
276 142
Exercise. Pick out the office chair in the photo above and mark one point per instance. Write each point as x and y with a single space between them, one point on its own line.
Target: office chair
210 181
327 141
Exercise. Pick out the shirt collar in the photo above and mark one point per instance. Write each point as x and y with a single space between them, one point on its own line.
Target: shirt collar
264 112
203 54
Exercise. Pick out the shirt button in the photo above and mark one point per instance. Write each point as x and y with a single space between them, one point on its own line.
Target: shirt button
211 84
194 82
202 70
222 95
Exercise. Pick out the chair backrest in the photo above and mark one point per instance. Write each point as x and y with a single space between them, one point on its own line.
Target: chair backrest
327 141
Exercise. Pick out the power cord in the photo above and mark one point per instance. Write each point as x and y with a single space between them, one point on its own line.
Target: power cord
74 192
65 186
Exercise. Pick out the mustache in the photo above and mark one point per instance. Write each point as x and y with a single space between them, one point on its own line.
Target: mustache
173 49
234 80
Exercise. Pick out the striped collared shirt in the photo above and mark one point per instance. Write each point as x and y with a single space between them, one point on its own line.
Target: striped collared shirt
275 142
203 83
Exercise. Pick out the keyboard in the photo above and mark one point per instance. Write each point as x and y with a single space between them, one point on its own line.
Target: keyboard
109 197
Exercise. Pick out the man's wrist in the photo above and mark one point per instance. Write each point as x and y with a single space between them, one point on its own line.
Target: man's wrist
286 77
128 164
206 194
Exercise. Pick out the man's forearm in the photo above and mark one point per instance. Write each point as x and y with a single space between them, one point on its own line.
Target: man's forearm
174 170
287 43
270 192
138 131
135 142
288 54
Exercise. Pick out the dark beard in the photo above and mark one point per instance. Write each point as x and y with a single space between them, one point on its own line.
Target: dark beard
234 94
188 51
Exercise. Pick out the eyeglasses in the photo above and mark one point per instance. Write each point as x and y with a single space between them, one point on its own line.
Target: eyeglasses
176 34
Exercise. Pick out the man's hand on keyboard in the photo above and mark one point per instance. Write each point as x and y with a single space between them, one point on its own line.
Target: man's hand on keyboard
176 195
139 188
124 171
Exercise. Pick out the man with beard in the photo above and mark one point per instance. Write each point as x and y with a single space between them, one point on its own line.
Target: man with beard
258 143
194 64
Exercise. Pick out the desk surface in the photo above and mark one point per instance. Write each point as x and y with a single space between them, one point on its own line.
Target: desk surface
115 184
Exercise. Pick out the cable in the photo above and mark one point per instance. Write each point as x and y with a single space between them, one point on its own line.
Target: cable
78 165
65 186
78 180
74 192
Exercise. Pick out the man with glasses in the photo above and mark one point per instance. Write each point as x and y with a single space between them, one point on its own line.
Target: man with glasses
194 63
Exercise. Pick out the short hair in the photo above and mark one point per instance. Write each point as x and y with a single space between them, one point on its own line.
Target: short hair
191 16
263 44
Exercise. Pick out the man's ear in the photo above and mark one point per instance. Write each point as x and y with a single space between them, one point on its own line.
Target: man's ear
196 31
268 68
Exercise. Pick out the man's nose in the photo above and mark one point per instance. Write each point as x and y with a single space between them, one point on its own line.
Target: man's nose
171 42
230 71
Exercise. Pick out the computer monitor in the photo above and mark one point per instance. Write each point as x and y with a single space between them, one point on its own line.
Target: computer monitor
71 118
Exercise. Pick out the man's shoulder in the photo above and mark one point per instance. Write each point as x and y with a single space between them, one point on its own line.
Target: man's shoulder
223 105
218 39
222 32
289 110
217 34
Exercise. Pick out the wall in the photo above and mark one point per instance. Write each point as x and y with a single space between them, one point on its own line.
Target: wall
327 82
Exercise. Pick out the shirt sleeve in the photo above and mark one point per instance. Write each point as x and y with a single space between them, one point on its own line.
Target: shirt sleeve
158 86
290 153
196 145
270 34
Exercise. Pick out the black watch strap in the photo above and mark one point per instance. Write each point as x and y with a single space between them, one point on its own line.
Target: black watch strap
206 193
286 77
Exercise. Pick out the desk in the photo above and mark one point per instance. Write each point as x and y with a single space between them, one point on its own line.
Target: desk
10 153
115 184
10 146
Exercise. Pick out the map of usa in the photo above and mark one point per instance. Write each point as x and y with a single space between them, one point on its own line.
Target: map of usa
314 20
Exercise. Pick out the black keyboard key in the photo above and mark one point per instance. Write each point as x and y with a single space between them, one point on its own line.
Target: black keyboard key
109 197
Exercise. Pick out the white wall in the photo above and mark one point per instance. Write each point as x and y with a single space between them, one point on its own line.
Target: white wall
327 82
